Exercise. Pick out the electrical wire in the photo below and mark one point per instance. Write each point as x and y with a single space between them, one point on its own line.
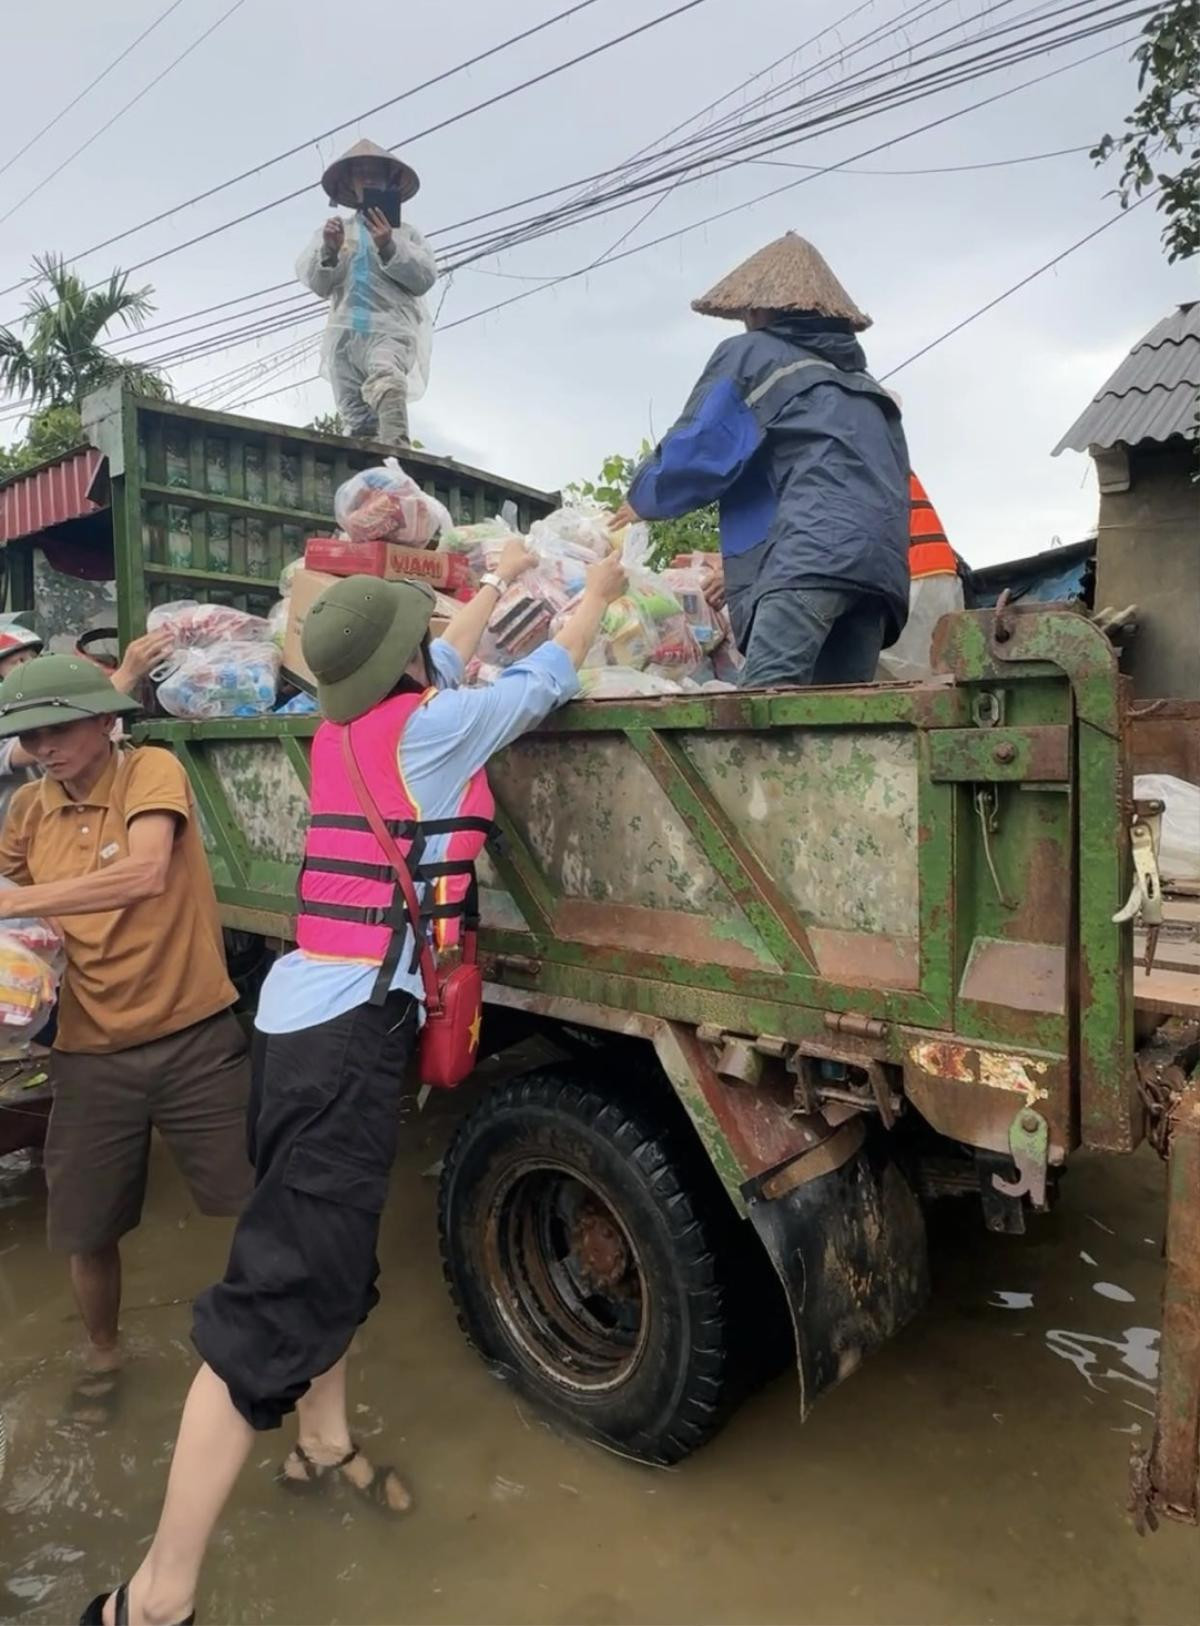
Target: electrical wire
938 169
1049 265
788 186
291 316
441 124
335 129
121 111
89 87
462 252
893 26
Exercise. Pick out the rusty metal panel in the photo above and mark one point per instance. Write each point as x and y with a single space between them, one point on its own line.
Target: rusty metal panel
49 496
971 1093
619 861
985 755
266 799
832 816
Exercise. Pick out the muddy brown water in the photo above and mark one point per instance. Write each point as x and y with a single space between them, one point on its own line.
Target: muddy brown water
971 1473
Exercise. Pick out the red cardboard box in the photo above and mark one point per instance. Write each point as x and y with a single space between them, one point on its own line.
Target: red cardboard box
447 572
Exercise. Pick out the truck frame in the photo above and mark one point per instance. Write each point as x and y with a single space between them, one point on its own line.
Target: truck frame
811 958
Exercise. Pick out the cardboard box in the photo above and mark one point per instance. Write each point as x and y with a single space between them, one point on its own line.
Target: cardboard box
307 587
392 560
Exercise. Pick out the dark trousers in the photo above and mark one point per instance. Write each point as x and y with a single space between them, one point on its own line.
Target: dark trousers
322 1126
813 636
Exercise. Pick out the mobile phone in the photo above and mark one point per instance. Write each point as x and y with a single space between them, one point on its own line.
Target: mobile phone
388 203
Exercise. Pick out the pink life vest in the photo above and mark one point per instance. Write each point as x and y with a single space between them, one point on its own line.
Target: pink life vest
350 905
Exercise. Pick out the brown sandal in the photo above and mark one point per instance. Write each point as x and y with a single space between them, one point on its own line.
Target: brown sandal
375 1490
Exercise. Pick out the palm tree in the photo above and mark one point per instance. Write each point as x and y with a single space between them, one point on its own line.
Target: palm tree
61 358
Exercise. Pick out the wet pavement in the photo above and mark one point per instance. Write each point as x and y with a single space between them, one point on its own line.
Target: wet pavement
972 1473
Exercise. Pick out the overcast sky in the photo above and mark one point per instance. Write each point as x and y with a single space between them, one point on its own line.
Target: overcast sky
542 391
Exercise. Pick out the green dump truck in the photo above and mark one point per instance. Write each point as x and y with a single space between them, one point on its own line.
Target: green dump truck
811 959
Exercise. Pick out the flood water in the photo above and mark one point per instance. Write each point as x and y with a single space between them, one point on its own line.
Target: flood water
974 1472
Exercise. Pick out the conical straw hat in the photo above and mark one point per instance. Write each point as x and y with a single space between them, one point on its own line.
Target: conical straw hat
788 275
336 179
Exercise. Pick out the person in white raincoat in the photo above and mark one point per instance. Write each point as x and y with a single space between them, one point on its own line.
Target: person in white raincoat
378 338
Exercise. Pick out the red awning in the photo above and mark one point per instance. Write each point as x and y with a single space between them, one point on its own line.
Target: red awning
51 495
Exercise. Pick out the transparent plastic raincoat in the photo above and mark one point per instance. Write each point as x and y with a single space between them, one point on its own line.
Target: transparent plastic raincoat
379 336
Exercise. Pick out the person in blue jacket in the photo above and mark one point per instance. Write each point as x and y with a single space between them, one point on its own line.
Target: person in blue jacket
805 453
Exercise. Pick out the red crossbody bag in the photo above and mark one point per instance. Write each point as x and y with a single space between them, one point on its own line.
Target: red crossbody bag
449 1039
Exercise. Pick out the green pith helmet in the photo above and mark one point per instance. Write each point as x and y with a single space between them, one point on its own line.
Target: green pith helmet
359 638
55 689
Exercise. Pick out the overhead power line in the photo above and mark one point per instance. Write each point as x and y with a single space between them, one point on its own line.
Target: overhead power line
89 87
893 26
441 124
950 332
788 186
466 250
299 308
1122 214
334 129
121 111
937 169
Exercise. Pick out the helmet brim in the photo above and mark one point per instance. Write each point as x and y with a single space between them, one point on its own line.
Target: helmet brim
23 717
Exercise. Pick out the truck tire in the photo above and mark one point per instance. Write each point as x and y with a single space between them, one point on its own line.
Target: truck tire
582 1240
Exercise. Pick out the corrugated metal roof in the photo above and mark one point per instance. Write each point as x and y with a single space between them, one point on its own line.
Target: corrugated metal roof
50 495
1153 393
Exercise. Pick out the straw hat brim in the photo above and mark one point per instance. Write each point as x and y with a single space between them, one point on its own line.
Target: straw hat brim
336 179
789 276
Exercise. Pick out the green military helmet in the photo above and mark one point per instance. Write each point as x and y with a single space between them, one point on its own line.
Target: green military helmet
56 689
359 639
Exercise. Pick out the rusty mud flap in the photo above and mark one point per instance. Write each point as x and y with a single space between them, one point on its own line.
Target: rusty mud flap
1166 1479
849 1247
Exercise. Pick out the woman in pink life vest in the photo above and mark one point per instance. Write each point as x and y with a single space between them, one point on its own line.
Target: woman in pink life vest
336 1026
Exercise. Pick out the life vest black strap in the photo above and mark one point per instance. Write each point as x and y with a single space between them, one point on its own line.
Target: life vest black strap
400 828
451 827
347 912
441 911
349 866
404 829
451 866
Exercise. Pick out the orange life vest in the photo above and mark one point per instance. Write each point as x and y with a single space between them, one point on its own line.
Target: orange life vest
929 551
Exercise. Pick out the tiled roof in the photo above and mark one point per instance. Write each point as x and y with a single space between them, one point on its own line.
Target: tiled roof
1152 395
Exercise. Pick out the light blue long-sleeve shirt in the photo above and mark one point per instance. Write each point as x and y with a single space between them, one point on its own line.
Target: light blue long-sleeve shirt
446 741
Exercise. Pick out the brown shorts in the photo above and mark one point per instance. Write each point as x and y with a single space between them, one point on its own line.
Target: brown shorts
192 1087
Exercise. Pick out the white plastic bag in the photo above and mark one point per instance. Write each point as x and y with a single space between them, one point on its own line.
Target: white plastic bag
385 504
1179 844
32 960
579 530
200 626
478 544
277 620
910 658
229 680
623 683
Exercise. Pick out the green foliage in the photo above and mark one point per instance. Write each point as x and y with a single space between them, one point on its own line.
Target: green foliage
1165 125
694 533
51 433
61 358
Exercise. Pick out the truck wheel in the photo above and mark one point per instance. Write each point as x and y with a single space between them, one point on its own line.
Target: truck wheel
582 1242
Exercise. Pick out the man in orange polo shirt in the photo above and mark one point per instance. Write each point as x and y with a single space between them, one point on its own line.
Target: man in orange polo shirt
107 844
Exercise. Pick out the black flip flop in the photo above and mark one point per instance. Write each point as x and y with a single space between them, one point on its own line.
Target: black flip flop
93 1615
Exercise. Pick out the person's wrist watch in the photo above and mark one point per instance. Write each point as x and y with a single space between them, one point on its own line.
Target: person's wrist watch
492 578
